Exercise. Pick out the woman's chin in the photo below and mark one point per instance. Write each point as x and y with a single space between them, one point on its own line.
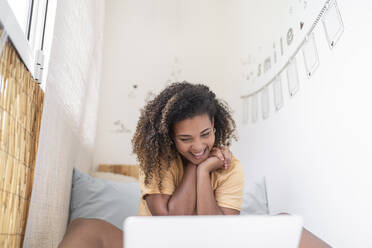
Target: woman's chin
198 161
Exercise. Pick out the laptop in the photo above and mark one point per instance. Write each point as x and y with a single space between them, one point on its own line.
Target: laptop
212 231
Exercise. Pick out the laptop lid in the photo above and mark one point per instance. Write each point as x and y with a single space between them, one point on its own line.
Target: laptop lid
212 231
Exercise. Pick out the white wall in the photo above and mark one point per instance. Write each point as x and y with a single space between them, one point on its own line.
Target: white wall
139 48
150 43
316 151
68 126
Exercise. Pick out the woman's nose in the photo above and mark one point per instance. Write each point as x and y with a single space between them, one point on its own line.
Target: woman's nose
197 147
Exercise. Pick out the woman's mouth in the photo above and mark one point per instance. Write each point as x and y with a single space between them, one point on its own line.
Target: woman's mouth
199 155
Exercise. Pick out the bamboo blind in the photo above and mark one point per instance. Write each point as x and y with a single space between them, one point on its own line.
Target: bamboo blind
21 103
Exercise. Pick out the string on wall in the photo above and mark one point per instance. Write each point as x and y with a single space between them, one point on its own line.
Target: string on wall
333 29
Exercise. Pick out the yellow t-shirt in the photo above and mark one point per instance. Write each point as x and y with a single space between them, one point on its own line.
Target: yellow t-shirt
227 185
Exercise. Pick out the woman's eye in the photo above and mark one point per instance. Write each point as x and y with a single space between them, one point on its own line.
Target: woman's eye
206 134
185 140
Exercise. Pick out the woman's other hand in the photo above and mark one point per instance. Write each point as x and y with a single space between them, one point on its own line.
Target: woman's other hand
227 156
219 158
224 154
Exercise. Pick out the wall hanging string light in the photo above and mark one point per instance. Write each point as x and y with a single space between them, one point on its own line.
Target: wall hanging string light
333 27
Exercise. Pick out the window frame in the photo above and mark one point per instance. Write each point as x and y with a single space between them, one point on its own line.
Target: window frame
31 45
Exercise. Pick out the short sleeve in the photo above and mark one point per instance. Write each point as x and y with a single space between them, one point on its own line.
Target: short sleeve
229 191
168 184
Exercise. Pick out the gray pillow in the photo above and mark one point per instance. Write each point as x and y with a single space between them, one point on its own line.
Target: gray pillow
103 199
255 196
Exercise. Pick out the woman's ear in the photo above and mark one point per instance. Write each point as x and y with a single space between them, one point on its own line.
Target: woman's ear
212 122
173 137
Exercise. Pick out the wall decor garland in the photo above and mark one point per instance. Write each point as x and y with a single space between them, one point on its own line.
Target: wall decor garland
333 27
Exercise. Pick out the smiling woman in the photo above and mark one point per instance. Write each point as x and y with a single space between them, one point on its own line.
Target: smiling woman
185 166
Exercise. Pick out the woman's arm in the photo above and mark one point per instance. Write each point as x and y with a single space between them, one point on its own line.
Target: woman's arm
206 202
181 202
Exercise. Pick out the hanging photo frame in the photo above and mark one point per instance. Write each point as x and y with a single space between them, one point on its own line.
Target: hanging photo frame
278 93
292 77
281 47
332 23
265 109
254 107
274 54
310 54
245 108
333 27
267 64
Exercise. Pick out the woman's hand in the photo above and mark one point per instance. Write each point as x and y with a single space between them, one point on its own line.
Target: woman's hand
219 158
227 156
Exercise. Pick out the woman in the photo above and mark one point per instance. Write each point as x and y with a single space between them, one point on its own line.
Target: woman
186 168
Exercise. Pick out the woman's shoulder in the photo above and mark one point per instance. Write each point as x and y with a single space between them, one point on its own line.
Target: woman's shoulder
168 167
232 176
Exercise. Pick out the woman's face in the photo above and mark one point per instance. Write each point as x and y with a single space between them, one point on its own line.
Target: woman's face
194 138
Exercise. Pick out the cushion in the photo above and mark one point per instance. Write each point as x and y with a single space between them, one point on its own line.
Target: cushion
114 201
112 176
255 196
103 199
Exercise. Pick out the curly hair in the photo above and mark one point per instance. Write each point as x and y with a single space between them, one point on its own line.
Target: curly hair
152 141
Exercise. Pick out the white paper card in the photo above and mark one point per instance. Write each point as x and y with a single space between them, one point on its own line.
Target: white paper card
333 25
310 54
292 77
265 102
278 93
